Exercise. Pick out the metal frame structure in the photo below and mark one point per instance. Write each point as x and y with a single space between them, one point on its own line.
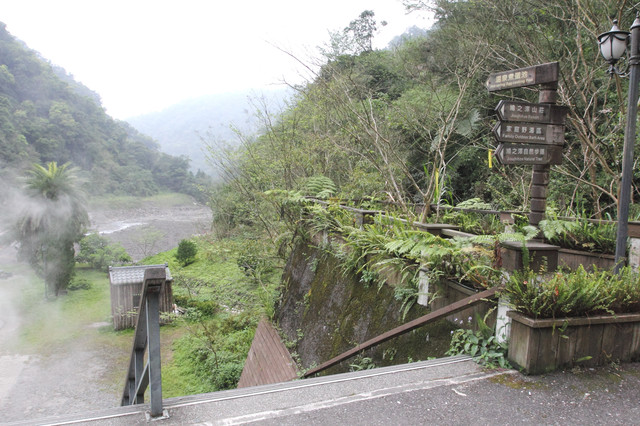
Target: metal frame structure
143 374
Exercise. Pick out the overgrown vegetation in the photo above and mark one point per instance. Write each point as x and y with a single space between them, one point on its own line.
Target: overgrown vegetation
221 296
578 293
99 253
411 125
482 345
580 234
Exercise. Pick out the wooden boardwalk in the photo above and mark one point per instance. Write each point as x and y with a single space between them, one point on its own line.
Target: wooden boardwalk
268 360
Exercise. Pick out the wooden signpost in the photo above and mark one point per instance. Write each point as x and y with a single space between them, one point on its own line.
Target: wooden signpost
523 77
532 113
512 153
540 124
530 133
546 134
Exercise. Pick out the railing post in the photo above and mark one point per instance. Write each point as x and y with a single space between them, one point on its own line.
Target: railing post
153 334
147 337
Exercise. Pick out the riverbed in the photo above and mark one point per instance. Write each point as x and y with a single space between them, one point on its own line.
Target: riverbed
145 231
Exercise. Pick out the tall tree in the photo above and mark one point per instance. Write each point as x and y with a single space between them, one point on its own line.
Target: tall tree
518 33
53 220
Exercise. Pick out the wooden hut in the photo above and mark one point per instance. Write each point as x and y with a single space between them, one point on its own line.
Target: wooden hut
126 289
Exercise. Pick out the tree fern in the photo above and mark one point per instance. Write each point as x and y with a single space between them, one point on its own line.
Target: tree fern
319 187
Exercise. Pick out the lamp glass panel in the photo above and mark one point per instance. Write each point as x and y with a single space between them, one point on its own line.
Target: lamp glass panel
618 46
605 47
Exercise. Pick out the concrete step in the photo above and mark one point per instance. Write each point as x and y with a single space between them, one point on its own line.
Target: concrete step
277 401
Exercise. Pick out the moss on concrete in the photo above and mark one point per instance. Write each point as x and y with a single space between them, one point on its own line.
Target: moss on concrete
340 312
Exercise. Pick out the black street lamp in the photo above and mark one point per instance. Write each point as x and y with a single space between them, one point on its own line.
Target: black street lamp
613 45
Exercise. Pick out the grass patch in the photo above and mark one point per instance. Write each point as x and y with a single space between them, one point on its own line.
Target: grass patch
49 324
210 356
216 274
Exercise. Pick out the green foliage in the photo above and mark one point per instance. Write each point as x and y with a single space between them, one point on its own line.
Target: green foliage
392 246
362 30
223 294
361 362
51 223
46 116
578 293
187 251
79 284
99 253
580 234
216 348
482 345
320 187
196 307
472 219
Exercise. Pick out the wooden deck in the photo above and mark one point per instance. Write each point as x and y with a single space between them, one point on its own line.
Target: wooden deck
268 360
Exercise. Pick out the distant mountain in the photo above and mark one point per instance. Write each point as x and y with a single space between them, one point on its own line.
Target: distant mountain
45 115
183 129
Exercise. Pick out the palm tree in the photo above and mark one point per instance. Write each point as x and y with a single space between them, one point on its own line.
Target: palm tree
53 220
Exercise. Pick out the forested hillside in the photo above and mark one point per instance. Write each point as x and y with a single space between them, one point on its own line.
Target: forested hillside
181 128
46 116
412 123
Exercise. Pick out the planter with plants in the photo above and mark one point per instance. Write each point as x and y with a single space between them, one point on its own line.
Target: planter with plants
581 241
578 318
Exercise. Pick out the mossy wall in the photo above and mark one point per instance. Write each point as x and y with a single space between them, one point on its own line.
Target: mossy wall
324 312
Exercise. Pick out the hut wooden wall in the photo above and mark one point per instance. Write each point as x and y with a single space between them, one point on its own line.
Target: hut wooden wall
123 309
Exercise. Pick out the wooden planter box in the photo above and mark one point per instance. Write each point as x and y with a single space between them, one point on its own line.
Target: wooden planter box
573 258
540 346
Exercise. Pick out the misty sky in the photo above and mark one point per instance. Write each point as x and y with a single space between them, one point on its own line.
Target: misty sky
144 55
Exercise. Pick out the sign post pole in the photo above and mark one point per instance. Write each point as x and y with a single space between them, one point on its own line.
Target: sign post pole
537 128
540 174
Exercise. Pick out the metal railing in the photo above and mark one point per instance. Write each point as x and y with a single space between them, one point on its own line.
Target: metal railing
143 374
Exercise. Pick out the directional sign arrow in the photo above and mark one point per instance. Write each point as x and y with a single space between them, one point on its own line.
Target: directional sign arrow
548 134
517 153
498 153
532 113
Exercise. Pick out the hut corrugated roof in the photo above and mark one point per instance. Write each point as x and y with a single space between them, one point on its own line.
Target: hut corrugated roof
123 275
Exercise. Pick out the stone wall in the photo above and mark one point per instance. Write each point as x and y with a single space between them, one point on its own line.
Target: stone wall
325 311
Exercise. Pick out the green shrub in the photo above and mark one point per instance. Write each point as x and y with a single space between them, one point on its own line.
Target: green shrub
187 251
484 348
79 284
99 253
206 308
227 375
580 234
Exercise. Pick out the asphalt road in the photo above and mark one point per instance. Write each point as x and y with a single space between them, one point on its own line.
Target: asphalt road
453 391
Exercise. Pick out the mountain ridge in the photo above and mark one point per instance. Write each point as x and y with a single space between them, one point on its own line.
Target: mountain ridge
185 127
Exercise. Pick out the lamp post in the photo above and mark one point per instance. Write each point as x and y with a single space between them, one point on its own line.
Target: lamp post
613 44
